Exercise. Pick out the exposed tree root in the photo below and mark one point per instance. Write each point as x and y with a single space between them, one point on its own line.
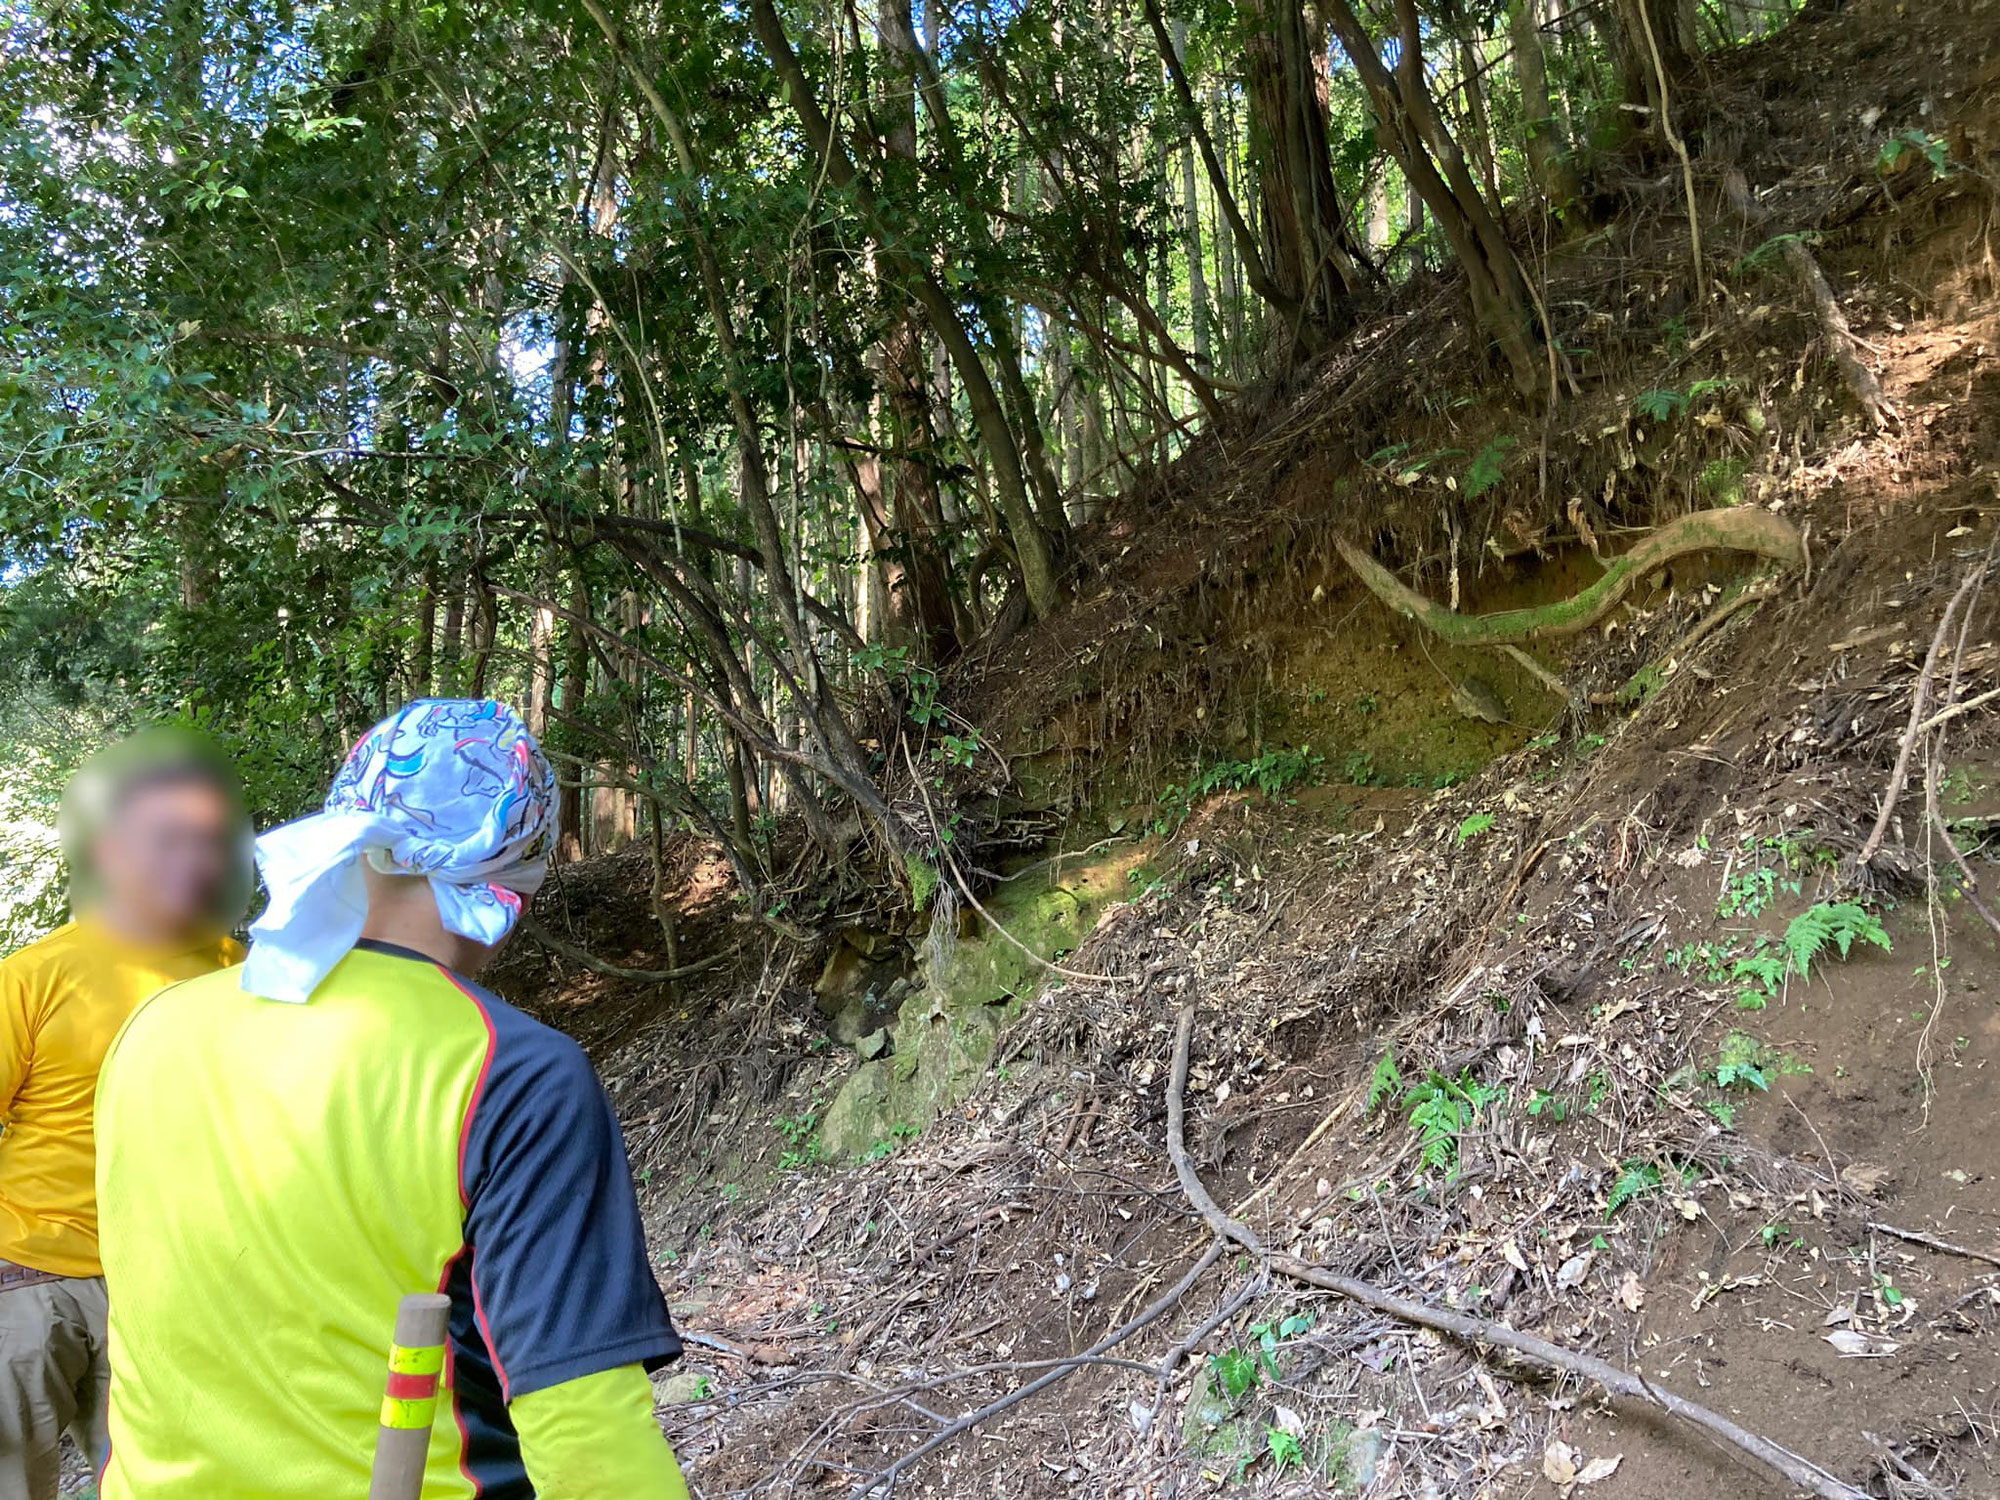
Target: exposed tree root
1626 1383
1919 701
1751 597
534 930
1744 530
1841 342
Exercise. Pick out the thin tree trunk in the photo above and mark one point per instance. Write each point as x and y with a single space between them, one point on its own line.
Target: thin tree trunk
1198 312
1380 233
1479 124
421 684
454 637
1413 129
1546 149
575 688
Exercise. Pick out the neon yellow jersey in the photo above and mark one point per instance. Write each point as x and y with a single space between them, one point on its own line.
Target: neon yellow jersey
62 1000
275 1178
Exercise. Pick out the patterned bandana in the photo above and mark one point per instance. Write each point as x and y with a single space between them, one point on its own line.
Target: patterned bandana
453 789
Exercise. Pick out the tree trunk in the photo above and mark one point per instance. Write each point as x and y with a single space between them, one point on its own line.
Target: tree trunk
1033 548
1306 238
921 609
1412 131
421 684
1198 311
574 690
1380 231
1643 25
453 647
1546 150
1478 123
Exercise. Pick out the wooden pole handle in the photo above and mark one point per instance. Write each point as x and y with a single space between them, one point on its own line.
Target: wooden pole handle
409 1404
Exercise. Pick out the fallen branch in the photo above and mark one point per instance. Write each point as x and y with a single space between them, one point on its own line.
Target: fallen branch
534 929
1797 1470
1231 1305
1932 1242
1728 530
1840 337
1958 710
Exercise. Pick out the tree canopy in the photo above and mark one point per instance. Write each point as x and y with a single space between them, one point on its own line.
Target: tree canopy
702 378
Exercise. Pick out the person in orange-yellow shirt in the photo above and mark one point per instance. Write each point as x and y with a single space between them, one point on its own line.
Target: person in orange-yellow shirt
157 843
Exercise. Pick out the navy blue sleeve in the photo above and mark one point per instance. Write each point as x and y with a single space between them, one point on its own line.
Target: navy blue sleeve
560 1279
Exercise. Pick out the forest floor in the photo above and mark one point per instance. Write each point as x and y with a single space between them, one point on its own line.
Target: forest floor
1524 1019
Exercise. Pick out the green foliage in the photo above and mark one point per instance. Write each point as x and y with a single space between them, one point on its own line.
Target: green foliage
1273 773
803 1147
1841 923
1742 1062
1907 145
960 749
1661 406
1778 1236
1359 769
1474 826
1635 1180
1488 466
890 1144
1543 1103
924 880
1285 1448
1762 968
1385 1082
1442 1109
1721 481
1238 1373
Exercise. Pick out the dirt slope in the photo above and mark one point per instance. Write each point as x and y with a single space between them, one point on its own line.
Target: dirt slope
1497 1016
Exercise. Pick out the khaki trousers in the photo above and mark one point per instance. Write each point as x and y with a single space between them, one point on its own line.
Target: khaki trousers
54 1378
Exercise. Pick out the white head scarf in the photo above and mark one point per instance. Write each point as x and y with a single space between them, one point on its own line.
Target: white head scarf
456 790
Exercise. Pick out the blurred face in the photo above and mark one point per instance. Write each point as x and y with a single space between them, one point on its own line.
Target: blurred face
164 859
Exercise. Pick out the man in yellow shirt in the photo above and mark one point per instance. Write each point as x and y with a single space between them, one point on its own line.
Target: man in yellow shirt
156 839
288 1149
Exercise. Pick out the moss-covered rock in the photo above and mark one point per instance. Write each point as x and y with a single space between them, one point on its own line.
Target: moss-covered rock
945 1032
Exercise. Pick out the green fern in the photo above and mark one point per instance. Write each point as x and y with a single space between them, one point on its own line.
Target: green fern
1661 406
1385 1082
1488 466
1841 923
1442 1109
1635 1180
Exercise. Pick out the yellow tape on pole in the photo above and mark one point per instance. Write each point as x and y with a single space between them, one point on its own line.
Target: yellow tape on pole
407 1416
423 1361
